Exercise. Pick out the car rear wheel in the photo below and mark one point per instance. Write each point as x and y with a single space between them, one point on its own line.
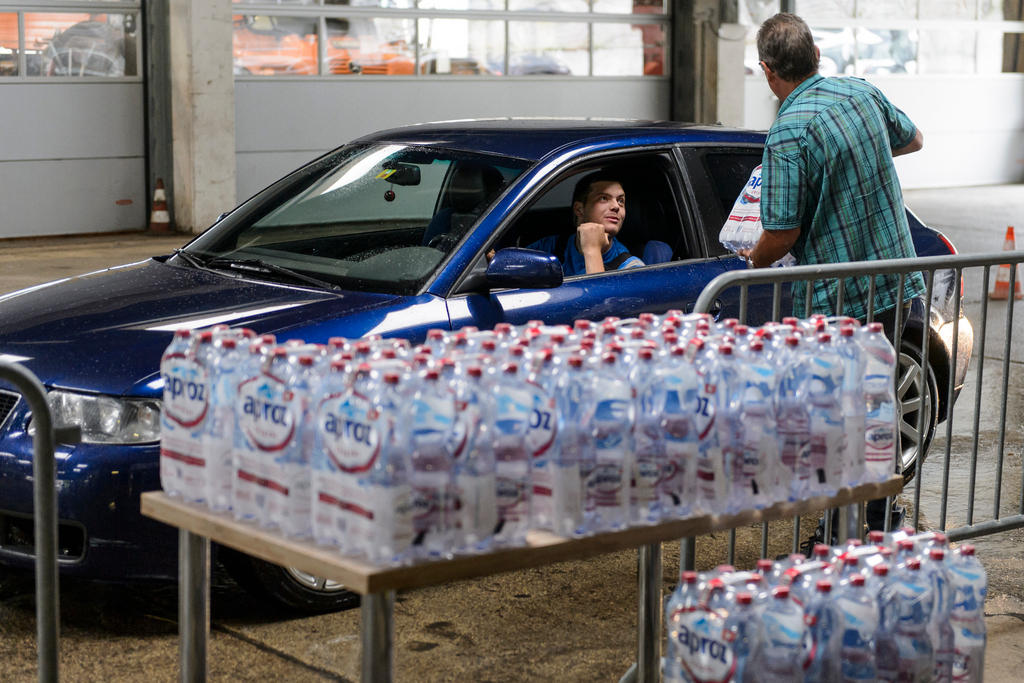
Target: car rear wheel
287 587
917 395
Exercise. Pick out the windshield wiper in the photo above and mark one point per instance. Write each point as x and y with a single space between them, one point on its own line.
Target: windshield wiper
254 265
190 258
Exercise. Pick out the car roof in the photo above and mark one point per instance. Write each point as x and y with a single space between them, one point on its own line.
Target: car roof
535 138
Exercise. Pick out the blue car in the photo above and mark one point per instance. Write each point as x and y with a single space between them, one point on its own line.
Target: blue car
394 234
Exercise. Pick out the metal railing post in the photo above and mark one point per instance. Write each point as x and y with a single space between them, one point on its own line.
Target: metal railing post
45 504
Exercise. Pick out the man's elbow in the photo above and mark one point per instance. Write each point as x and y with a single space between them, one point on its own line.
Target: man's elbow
916 144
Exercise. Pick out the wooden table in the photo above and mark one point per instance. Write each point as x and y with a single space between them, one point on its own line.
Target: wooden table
198 526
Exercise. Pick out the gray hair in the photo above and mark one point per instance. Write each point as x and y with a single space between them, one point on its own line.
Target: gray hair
785 44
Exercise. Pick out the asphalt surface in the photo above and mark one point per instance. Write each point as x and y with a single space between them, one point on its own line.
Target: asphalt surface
571 621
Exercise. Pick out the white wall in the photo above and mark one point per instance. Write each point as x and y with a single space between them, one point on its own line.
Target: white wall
973 126
281 124
71 158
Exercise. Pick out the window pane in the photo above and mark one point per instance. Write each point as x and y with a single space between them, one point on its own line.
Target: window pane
629 50
949 9
754 12
547 48
278 2
947 52
462 4
273 46
630 6
370 46
836 46
461 47
76 44
992 10
8 44
823 11
549 5
887 9
886 52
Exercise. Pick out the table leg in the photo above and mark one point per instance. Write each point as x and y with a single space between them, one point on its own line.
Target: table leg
648 656
193 604
378 629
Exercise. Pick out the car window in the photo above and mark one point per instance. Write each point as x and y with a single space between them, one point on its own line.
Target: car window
373 217
717 176
652 227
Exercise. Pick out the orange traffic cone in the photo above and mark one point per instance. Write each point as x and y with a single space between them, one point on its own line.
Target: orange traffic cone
1001 289
159 218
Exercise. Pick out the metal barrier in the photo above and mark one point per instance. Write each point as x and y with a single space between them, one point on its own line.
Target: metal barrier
929 267
45 503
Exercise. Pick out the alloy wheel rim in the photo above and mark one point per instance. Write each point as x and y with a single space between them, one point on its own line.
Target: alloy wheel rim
315 583
912 395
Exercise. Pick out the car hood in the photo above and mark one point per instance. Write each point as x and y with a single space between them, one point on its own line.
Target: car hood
105 331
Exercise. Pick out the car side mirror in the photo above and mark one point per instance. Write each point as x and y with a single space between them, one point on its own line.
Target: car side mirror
523 268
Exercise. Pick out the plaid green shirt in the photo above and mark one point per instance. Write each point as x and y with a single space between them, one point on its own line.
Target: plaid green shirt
828 170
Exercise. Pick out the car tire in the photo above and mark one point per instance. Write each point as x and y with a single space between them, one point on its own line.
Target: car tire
912 385
286 587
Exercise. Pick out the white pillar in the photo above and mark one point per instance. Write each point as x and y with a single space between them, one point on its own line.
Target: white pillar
202 111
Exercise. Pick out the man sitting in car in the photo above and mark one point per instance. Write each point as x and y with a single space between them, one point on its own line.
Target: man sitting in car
599 209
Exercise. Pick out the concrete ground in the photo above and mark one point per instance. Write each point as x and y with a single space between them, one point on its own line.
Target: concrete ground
571 621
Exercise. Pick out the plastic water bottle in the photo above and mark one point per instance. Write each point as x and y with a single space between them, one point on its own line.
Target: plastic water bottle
970 587
785 643
181 420
727 372
649 439
886 651
218 434
881 421
825 627
793 420
697 639
430 429
914 600
675 391
614 415
574 458
247 496
712 495
513 406
476 511
824 382
266 425
853 403
686 598
541 438
289 501
755 482
859 612
346 443
744 631
940 631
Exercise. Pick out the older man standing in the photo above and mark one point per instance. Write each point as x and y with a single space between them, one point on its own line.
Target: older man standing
829 189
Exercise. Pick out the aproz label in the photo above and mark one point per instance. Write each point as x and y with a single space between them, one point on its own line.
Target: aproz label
186 399
268 413
348 429
700 638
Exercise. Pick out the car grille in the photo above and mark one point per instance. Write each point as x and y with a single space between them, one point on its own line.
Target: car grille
8 399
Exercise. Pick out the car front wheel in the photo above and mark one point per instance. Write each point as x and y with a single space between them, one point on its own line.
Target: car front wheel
287 587
917 395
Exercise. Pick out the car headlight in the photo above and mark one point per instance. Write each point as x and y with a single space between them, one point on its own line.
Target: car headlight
106 419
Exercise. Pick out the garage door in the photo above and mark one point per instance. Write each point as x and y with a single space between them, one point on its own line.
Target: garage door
311 76
71 144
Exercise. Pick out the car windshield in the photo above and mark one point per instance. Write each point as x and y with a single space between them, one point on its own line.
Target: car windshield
375 218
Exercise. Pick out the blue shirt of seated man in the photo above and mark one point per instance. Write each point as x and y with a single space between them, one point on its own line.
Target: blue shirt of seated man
599 210
573 262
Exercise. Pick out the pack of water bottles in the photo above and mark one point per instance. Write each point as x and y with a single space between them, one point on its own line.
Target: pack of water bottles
395 452
742 228
902 607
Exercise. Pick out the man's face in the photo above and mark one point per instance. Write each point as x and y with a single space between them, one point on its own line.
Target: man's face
605 205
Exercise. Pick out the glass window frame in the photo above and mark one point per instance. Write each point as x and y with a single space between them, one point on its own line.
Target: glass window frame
22 8
323 12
